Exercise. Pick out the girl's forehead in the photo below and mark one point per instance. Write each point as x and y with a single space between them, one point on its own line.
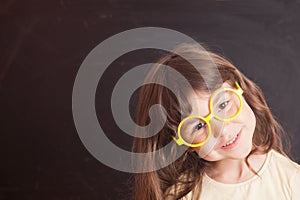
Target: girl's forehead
199 100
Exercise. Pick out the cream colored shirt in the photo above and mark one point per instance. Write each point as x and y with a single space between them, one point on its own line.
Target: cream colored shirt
279 178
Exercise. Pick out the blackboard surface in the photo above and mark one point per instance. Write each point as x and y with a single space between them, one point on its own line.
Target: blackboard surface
43 44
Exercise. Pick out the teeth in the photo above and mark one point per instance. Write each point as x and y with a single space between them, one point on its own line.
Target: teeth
230 142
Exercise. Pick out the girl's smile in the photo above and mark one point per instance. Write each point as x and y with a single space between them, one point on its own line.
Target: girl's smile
233 142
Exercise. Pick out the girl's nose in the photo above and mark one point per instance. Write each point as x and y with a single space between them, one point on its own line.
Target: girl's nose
219 128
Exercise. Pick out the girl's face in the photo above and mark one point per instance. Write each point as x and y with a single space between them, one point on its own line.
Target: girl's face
234 137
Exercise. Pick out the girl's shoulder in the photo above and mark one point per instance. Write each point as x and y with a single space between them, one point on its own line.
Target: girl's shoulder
286 171
290 170
283 162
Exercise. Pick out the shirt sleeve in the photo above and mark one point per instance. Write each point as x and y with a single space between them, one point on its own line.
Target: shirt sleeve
295 185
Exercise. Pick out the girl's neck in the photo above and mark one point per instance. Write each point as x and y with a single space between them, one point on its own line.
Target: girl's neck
235 170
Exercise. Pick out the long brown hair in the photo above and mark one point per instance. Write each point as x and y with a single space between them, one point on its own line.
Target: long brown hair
185 174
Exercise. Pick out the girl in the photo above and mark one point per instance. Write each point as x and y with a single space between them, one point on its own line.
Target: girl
233 145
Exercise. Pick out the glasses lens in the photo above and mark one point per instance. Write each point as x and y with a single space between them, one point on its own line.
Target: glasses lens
226 104
194 130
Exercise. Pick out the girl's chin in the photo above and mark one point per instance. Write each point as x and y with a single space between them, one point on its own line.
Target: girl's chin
216 155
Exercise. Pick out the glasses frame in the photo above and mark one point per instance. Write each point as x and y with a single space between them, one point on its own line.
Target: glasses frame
239 91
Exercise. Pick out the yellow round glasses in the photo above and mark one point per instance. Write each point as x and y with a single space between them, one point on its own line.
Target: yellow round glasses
225 105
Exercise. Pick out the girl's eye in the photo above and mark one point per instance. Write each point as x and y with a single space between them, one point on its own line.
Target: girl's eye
199 126
223 105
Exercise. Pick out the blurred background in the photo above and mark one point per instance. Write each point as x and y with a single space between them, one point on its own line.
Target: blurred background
43 44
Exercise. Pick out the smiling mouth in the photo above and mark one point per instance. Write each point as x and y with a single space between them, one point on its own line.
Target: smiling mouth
233 142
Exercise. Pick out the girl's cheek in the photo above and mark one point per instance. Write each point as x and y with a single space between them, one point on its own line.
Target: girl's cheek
246 113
